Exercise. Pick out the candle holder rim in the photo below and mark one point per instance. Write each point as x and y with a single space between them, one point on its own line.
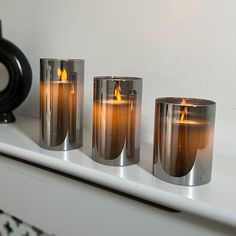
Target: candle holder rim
197 102
61 59
118 78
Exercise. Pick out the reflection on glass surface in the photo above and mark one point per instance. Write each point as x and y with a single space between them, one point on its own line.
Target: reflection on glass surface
61 104
183 140
116 120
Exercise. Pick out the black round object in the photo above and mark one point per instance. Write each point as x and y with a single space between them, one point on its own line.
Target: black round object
20 79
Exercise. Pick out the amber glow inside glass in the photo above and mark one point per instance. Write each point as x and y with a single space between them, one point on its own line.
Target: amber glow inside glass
61 103
183 140
116 120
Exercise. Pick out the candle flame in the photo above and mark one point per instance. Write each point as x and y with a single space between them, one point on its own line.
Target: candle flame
117 92
62 74
184 112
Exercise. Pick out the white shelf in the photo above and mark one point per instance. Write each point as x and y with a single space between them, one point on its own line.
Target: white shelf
216 200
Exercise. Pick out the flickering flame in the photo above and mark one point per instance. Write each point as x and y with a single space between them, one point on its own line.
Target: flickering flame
184 112
117 92
62 74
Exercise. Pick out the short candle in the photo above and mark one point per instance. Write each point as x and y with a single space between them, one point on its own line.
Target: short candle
183 140
116 120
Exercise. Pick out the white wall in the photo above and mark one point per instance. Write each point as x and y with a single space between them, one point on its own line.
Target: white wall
179 47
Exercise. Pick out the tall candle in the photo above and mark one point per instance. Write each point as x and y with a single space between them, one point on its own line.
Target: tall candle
55 105
183 140
116 121
59 107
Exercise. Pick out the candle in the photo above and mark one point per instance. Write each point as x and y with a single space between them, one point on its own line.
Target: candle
189 136
58 105
55 99
111 125
116 121
183 140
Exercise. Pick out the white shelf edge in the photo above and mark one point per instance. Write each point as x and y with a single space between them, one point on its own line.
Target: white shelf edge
155 191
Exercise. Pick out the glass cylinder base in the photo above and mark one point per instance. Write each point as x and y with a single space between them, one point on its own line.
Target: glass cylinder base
183 140
116 120
61 104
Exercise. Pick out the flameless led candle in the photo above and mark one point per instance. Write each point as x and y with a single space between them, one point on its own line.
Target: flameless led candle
61 103
183 140
116 120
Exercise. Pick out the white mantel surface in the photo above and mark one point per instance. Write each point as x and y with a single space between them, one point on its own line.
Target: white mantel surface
216 200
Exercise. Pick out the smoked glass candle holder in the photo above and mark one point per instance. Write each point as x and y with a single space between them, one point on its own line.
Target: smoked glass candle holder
183 140
61 103
116 120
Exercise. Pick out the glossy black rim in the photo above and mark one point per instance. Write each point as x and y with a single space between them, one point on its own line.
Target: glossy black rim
20 76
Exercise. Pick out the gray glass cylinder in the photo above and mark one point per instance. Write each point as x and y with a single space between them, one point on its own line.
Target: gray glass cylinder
61 103
116 120
183 140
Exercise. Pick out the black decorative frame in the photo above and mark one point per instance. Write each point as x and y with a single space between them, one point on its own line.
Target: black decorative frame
20 79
